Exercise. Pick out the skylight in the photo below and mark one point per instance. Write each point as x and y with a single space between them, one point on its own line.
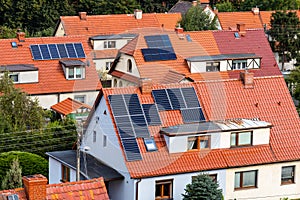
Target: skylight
150 144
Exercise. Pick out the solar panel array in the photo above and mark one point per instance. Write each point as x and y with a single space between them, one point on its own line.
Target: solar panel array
151 114
57 51
159 48
131 122
183 99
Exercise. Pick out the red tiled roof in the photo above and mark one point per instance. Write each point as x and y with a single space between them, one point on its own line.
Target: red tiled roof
269 101
51 77
87 189
69 105
125 23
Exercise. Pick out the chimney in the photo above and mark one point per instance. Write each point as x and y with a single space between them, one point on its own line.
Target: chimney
82 15
216 10
255 11
35 187
21 36
178 29
195 3
247 79
241 28
138 14
146 85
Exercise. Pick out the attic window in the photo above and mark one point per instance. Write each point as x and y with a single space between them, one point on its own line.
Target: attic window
109 44
150 144
12 197
236 35
14 45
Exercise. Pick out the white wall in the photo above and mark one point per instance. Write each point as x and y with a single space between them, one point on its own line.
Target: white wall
99 44
147 185
55 172
60 30
268 183
28 76
122 65
120 81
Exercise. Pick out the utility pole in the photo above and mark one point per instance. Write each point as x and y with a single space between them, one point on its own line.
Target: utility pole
79 134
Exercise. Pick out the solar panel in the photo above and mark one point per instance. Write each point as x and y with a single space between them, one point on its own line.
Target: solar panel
118 105
176 98
140 126
190 115
45 52
131 149
79 50
188 38
36 53
162 100
190 97
151 114
71 50
133 104
53 51
62 50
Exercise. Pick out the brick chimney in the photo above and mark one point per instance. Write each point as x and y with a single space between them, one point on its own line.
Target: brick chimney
35 187
255 11
82 15
241 28
179 30
146 86
21 36
247 79
138 14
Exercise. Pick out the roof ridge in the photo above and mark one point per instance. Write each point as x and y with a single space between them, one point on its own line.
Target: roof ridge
95 180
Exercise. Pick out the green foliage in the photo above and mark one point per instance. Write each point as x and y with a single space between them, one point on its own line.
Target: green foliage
247 5
30 163
13 177
285 30
18 111
293 81
202 188
196 20
225 6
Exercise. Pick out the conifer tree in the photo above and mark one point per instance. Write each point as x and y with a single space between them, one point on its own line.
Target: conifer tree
13 177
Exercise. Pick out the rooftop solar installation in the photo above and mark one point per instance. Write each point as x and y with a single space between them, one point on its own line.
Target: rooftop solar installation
57 51
151 114
131 149
190 115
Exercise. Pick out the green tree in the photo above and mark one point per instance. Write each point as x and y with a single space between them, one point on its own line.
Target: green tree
17 109
285 32
202 188
195 19
13 177
29 163
293 81
270 4
225 6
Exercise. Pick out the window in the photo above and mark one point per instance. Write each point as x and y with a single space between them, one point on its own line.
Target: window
107 65
94 136
247 179
104 140
109 44
287 174
65 175
14 77
239 64
120 84
199 142
75 73
129 65
241 139
115 83
80 98
163 189
212 66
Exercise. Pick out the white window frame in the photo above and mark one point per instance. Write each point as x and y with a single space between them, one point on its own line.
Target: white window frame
107 65
15 74
239 64
110 44
78 97
213 66
75 70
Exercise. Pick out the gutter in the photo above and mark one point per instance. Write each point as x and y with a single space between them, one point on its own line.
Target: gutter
137 189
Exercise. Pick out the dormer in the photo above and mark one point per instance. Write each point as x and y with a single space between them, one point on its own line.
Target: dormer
223 62
73 69
116 41
21 73
203 136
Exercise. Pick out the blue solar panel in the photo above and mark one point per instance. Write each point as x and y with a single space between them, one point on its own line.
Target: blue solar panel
190 97
131 149
140 126
151 114
71 50
36 53
118 105
188 38
191 115
162 99
62 50
133 104
45 52
53 51
79 50
176 98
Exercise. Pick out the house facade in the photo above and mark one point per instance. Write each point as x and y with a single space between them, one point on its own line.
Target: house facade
51 69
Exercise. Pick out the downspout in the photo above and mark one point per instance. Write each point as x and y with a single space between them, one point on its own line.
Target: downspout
58 97
137 189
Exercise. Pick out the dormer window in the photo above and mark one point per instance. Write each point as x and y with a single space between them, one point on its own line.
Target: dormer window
109 44
241 139
212 66
199 142
239 64
74 69
14 77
